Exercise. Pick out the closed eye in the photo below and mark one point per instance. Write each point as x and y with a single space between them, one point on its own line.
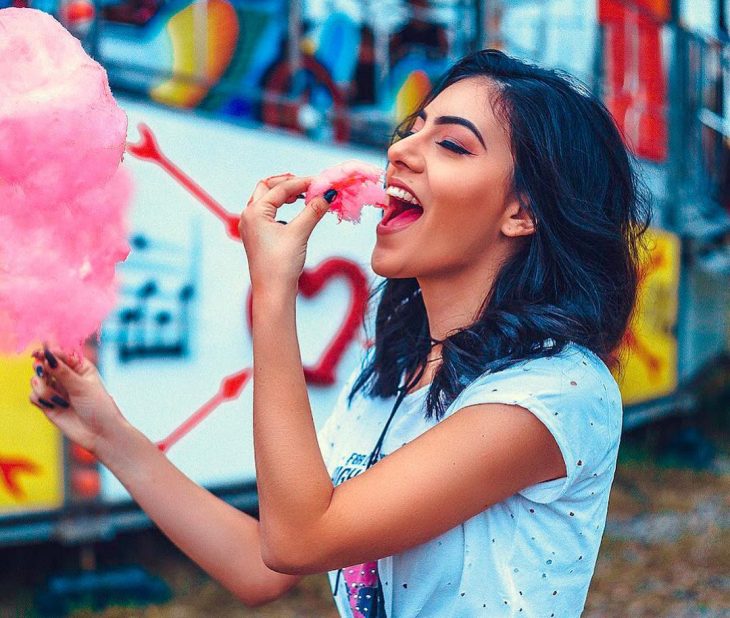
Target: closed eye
453 147
402 134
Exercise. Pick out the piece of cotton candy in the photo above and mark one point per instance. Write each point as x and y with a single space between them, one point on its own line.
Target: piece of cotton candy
357 184
63 195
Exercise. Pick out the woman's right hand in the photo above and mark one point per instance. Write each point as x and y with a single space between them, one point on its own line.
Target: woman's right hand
69 391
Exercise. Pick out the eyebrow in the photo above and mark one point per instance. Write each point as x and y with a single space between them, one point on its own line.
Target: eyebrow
456 120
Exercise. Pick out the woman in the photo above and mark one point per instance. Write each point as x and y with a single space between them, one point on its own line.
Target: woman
509 252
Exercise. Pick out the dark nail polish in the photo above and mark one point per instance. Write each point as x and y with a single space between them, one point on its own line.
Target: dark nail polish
46 404
52 361
60 401
39 371
330 195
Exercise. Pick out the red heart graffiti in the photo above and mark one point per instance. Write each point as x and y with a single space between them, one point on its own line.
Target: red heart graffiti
310 283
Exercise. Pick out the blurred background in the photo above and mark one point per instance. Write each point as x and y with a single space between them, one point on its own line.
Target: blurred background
220 93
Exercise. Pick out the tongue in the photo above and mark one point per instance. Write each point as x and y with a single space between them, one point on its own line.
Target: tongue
406 217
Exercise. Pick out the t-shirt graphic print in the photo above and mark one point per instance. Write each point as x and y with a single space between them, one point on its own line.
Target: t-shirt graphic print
359 583
363 590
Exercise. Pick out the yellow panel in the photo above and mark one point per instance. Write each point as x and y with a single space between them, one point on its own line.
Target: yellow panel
31 470
649 348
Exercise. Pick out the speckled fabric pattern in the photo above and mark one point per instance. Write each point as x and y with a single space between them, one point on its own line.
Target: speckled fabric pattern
530 555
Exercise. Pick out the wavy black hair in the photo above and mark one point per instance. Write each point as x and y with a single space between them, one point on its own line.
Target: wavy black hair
574 280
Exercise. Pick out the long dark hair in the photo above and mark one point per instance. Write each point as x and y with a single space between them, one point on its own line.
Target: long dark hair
574 280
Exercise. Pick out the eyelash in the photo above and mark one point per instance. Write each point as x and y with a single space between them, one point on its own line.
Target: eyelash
444 144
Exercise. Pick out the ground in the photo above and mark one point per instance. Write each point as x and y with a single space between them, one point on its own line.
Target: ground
665 552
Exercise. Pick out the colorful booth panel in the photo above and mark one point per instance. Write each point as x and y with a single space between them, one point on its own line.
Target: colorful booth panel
636 72
649 348
31 450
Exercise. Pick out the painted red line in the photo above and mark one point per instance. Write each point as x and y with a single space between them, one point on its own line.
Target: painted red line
148 149
231 387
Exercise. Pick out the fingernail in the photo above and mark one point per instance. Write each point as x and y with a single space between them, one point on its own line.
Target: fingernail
45 404
52 361
330 195
39 371
60 401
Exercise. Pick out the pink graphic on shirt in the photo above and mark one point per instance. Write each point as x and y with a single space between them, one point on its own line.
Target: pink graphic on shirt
361 582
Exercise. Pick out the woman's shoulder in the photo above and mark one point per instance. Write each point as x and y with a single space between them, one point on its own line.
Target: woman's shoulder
573 378
573 360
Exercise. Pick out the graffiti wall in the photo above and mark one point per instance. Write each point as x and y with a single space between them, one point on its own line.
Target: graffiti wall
310 67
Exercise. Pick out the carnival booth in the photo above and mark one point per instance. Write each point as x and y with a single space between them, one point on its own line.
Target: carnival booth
220 93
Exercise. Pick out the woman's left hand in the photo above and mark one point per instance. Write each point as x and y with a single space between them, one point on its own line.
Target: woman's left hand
276 252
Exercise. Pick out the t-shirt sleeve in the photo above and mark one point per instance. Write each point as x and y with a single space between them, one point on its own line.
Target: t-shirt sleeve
567 393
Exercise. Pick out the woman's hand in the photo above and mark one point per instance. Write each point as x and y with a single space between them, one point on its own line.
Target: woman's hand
71 394
276 252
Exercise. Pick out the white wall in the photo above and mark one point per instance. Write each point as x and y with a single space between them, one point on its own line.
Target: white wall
157 395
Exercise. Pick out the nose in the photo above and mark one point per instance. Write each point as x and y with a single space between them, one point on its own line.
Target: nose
406 154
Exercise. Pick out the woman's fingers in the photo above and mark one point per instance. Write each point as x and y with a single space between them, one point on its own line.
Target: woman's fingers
282 190
48 396
305 222
43 373
262 186
64 374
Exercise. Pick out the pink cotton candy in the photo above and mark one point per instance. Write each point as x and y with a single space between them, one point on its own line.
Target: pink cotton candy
63 196
357 184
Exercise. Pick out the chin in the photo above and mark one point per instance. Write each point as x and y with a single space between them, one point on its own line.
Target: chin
389 269
379 265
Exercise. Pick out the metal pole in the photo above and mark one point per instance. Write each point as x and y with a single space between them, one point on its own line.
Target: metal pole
200 41
676 107
490 22
294 27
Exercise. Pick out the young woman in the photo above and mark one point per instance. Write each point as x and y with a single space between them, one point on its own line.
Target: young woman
466 468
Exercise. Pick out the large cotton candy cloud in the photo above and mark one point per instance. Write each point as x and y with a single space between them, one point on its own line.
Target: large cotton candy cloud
63 196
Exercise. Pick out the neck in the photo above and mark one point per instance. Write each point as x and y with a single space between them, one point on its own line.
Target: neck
453 302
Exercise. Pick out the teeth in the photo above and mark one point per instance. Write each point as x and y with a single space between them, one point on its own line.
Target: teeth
402 194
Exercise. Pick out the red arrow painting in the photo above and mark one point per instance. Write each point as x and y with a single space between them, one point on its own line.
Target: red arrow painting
9 471
148 149
230 388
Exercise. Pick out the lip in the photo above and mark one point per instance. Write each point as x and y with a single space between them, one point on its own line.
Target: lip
393 228
395 182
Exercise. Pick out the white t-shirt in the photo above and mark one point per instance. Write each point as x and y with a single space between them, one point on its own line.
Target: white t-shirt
532 554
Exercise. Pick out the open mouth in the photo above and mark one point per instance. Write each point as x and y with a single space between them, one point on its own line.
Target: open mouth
401 210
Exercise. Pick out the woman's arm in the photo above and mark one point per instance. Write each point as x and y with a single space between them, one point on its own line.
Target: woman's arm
477 457
222 540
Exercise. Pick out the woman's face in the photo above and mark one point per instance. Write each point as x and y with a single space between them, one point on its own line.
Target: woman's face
457 164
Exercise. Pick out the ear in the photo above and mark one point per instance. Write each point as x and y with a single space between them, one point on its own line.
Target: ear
516 220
